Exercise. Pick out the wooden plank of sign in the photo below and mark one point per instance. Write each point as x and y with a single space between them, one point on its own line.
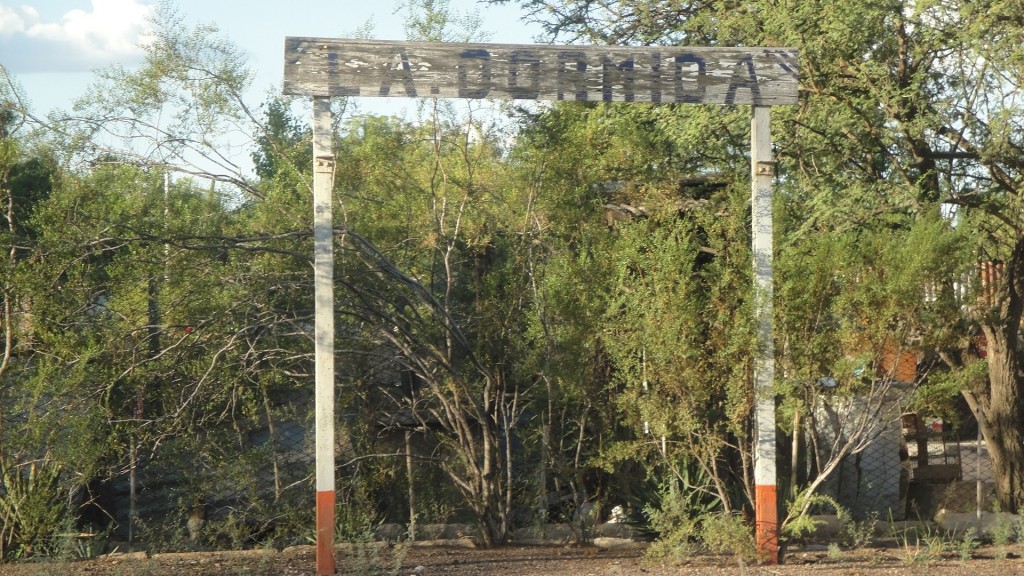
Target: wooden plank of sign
377 68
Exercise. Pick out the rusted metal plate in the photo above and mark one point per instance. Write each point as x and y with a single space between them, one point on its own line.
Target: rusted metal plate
340 67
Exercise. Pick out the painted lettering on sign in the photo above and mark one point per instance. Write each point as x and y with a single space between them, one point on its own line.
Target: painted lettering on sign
395 72
743 78
324 67
523 75
688 69
478 61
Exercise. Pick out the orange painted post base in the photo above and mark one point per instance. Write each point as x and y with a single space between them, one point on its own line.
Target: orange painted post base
325 533
766 518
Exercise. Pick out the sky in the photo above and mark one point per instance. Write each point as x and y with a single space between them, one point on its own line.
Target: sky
52 46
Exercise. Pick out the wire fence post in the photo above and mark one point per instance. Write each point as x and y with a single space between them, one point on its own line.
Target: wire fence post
980 485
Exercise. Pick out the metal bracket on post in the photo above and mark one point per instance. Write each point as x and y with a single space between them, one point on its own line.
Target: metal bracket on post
324 165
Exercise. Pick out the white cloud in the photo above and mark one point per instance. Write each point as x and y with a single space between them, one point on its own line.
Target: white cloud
109 32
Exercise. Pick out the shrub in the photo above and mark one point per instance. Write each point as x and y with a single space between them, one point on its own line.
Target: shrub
33 511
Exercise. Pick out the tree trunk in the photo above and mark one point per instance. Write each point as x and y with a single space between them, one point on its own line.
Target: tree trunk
1004 418
411 485
1002 402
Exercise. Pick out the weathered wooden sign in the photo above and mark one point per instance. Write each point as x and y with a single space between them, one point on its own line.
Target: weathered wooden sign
336 67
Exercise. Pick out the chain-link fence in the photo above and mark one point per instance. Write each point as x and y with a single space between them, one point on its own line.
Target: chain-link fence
949 467
233 484
248 479
912 468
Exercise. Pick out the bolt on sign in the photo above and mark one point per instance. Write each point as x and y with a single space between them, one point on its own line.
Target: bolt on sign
658 74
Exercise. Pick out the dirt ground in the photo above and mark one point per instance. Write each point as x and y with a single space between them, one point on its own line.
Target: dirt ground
531 561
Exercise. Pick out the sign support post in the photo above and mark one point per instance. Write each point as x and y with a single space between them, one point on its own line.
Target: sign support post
766 515
323 296
761 77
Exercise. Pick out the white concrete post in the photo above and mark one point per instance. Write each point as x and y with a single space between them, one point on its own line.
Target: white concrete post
765 490
323 296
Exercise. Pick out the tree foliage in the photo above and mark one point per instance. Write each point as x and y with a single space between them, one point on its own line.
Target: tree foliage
908 110
550 322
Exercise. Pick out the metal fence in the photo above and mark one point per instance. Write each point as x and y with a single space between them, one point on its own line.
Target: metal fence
950 469
229 486
913 468
247 480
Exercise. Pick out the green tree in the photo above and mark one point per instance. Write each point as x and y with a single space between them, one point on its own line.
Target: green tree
33 509
168 292
905 108
173 112
423 251
430 287
644 271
